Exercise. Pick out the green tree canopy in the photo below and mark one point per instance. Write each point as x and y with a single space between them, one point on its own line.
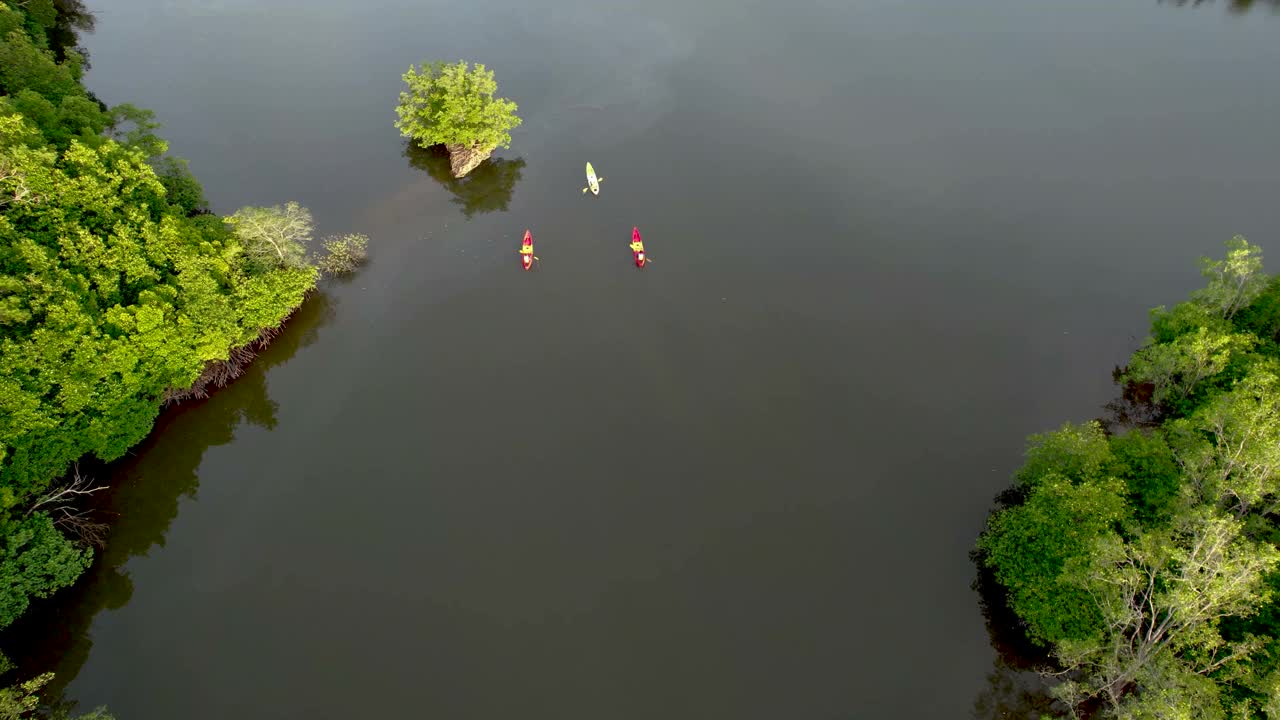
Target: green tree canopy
109 297
180 186
1234 281
453 104
1029 546
35 560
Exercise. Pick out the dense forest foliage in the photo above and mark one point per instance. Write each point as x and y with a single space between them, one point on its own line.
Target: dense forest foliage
1143 554
118 290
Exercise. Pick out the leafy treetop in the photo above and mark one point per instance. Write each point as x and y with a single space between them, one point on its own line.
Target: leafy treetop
452 104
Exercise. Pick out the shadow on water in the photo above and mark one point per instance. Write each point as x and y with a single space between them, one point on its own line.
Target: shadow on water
1014 687
1235 6
485 189
147 488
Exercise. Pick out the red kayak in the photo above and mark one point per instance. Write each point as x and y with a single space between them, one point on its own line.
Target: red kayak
526 250
637 247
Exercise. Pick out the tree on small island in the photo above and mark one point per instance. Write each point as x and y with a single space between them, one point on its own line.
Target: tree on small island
452 105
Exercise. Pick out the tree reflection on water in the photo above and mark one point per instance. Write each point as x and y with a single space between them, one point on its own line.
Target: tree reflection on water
485 189
146 490
1014 687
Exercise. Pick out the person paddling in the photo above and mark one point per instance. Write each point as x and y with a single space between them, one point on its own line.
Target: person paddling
637 248
526 251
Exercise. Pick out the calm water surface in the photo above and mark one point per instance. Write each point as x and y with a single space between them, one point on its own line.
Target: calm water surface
890 239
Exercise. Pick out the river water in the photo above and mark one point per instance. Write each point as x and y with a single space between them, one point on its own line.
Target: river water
890 240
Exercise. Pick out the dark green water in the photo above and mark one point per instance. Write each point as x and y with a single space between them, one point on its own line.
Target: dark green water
890 239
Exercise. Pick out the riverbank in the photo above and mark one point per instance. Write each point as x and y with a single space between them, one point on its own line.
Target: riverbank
1141 556
220 373
119 295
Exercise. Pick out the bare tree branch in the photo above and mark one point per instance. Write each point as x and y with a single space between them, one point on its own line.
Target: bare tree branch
60 505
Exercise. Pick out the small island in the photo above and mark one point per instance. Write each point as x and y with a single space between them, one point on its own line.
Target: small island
452 105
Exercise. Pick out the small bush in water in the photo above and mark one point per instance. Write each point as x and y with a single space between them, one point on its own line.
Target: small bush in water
343 254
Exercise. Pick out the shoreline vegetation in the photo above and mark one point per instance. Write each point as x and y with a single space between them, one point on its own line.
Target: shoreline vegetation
1138 555
120 294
